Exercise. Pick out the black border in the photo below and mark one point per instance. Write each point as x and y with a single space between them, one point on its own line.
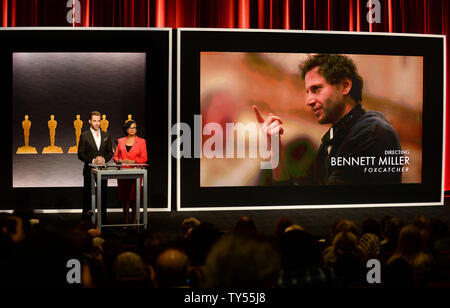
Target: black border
155 43
431 48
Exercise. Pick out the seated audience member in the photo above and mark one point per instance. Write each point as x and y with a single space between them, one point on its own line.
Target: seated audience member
242 262
93 276
422 223
11 236
26 213
40 261
338 226
398 274
199 243
301 263
129 271
113 246
441 251
151 247
383 221
370 245
440 235
411 248
245 226
188 234
92 256
294 227
172 269
13 228
203 237
389 244
85 225
342 225
346 225
383 224
281 225
371 225
187 224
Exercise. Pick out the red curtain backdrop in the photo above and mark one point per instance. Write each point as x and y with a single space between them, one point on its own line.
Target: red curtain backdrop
401 16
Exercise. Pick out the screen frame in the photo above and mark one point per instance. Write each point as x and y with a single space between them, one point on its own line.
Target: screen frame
191 42
156 43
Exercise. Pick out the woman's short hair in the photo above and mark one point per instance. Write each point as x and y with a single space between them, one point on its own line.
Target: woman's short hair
127 125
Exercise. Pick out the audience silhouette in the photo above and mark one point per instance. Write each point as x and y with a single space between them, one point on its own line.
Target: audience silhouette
35 253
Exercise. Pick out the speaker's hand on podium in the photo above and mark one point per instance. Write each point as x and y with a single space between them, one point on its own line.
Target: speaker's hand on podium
99 160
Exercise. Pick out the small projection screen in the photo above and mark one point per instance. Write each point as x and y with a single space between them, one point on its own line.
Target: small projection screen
66 85
53 79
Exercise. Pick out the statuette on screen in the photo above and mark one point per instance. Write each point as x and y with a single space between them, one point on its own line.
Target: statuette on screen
52 148
129 119
104 124
26 149
77 124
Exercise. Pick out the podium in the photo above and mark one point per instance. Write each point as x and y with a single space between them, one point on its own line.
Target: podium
117 171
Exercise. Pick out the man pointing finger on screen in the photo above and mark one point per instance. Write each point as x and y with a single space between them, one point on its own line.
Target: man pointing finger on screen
334 95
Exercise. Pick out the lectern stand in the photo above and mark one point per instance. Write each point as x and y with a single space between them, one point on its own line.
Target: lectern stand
116 171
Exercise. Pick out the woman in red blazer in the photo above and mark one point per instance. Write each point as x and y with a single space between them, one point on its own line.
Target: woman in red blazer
130 150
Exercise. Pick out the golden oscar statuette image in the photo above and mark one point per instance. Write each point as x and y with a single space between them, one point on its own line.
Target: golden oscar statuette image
52 148
129 118
78 124
104 124
26 149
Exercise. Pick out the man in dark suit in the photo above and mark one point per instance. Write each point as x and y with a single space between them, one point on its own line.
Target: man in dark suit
94 148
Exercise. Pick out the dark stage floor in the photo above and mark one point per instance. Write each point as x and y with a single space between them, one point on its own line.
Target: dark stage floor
315 221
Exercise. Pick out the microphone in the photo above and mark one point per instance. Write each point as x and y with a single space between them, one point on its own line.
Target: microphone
118 163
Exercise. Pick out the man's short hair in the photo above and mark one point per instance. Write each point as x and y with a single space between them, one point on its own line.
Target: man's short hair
171 268
242 262
335 68
129 265
94 113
